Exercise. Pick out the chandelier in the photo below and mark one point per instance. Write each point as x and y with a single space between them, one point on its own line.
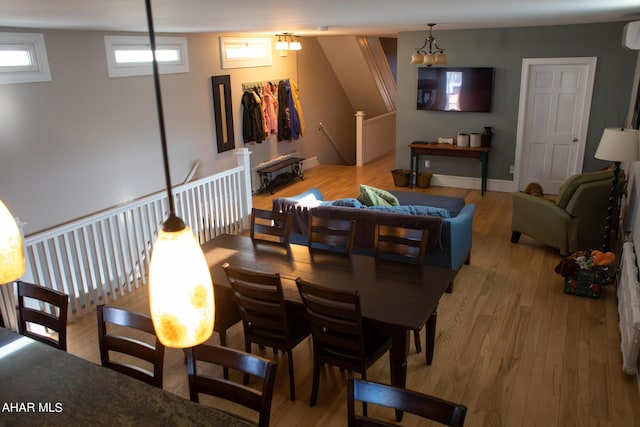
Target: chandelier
433 55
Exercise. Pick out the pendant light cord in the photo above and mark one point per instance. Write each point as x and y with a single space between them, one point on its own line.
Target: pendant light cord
173 223
156 81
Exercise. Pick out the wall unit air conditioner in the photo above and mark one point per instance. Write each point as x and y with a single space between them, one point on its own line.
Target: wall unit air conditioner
631 35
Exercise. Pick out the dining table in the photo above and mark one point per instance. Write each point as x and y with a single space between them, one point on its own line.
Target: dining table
43 386
396 297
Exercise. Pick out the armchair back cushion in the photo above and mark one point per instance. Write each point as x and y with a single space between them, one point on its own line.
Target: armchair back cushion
568 189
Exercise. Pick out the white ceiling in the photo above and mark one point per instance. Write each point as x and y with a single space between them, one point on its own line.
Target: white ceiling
342 17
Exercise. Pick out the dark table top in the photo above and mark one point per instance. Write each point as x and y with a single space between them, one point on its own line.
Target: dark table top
44 386
394 293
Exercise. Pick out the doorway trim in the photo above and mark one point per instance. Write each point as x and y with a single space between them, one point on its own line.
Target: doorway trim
527 64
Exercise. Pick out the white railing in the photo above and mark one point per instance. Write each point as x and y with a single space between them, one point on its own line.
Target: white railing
106 255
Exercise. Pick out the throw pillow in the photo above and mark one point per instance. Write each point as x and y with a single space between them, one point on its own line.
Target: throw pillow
371 196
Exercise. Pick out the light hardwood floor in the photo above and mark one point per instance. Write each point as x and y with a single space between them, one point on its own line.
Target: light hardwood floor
510 344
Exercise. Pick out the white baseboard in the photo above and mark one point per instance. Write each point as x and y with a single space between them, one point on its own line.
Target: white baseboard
310 163
472 183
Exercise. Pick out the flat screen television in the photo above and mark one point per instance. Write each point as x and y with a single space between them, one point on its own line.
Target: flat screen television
455 89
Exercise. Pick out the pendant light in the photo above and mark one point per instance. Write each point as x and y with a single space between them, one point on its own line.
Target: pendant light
180 288
434 55
11 250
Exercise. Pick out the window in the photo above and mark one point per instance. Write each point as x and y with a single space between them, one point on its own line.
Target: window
131 55
23 58
239 52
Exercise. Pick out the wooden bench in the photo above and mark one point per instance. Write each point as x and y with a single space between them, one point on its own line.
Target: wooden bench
269 181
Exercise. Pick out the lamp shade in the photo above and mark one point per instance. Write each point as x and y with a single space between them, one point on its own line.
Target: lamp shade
295 45
618 145
417 58
180 290
11 250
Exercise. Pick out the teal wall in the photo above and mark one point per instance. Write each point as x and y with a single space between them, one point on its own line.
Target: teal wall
505 49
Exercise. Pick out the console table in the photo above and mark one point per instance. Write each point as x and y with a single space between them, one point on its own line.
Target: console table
269 182
420 148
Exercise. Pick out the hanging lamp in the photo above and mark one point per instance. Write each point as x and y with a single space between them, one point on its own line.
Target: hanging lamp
434 55
181 297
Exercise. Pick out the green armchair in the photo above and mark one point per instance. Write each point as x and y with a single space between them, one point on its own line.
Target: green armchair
575 221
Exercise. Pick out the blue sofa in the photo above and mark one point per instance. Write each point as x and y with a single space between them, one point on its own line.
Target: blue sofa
450 246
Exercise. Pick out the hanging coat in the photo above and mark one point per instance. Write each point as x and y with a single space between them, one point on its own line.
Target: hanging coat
298 106
293 113
270 109
252 128
284 120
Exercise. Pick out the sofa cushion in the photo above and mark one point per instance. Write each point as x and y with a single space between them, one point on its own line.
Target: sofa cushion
413 210
348 202
371 196
453 204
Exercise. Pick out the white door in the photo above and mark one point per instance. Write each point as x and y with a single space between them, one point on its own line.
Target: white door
555 101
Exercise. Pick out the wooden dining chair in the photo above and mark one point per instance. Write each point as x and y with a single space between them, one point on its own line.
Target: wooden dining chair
140 354
271 226
266 318
339 335
423 405
402 244
258 399
331 234
49 309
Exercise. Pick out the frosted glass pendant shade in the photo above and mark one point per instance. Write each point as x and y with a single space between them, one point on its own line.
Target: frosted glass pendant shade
429 59
441 58
11 250
180 290
295 45
417 58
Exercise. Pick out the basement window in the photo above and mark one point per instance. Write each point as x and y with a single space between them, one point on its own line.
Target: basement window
131 55
23 58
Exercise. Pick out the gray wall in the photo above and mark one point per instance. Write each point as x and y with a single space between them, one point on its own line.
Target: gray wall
504 49
84 142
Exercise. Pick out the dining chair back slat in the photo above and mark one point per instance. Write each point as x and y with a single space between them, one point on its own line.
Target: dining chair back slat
271 226
140 354
258 399
50 313
331 234
423 405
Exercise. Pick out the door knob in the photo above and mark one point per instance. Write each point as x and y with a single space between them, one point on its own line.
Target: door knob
574 139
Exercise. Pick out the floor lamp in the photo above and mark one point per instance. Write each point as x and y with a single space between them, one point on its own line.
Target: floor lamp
616 145
11 250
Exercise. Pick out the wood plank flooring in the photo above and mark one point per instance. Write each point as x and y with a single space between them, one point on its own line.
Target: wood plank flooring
510 344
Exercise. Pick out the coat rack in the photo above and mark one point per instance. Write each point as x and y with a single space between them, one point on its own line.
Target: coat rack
252 85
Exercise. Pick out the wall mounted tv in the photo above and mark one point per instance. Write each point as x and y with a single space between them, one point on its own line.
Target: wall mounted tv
455 89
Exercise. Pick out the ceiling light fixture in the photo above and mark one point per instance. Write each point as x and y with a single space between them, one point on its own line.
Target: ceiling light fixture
180 287
286 41
433 56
